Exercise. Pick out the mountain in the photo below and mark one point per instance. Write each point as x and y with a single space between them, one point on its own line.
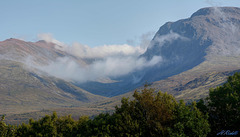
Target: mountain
199 52
208 34
23 88
38 53
207 41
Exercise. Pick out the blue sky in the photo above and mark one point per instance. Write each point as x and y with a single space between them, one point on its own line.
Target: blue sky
94 22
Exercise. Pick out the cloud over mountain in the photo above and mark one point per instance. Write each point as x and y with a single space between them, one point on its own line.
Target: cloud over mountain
109 61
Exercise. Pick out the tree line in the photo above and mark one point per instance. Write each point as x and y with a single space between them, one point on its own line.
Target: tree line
148 114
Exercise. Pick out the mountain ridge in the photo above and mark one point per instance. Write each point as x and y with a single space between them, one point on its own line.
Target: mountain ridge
193 39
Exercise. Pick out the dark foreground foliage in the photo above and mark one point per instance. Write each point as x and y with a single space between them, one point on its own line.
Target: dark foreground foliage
223 107
148 114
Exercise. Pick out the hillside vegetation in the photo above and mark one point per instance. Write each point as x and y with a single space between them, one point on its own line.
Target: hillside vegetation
23 90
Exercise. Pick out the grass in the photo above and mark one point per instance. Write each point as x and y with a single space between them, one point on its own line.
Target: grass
23 90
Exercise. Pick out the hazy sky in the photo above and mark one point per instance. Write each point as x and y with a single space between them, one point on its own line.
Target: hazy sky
94 22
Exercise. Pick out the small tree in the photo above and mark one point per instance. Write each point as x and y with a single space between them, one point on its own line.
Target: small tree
189 121
46 127
3 127
65 126
151 114
223 106
6 130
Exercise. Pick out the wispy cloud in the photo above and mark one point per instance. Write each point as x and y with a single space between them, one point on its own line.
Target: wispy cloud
160 40
109 61
85 51
48 37
228 42
143 40
112 67
213 3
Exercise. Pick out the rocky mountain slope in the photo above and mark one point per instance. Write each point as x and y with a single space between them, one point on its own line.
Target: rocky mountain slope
210 51
209 34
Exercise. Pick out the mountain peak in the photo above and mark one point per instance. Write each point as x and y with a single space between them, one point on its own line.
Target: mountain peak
212 11
42 41
203 11
13 40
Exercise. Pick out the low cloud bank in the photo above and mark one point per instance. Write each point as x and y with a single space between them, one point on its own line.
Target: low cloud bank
85 51
110 67
109 61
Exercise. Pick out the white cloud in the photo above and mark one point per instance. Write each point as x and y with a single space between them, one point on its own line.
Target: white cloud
85 51
48 37
111 60
143 40
170 37
109 67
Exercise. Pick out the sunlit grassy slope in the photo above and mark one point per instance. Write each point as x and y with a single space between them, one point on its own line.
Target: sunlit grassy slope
24 91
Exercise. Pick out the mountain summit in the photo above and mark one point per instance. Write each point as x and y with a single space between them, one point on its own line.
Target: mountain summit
208 34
